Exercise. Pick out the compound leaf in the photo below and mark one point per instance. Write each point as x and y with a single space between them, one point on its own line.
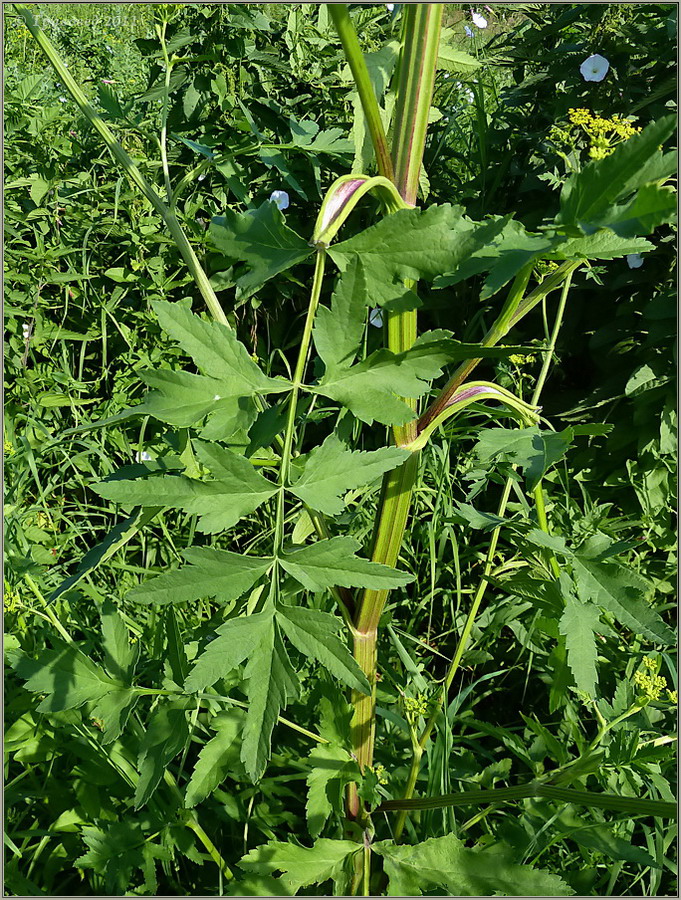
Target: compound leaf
236 640
271 684
217 758
579 623
620 590
210 573
300 866
315 634
259 238
331 469
333 562
446 863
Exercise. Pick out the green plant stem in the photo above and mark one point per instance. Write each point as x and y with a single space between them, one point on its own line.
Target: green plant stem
632 805
49 612
161 31
367 868
551 349
131 170
353 54
298 374
513 311
421 25
549 353
506 316
415 81
538 494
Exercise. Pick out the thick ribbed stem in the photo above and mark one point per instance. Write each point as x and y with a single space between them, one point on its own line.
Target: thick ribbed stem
416 77
355 57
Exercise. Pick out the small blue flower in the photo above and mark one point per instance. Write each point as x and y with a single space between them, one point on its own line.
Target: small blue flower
468 30
280 199
376 317
634 260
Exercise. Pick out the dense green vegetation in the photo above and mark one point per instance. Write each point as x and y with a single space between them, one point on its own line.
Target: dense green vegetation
181 691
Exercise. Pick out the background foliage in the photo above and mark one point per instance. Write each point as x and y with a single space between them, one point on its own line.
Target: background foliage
262 101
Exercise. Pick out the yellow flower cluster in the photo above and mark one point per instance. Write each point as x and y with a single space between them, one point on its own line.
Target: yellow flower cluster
651 686
544 267
520 359
604 134
381 773
650 683
579 116
415 707
7 447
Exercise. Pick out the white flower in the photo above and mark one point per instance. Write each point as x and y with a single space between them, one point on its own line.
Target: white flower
201 176
376 317
478 20
594 68
143 456
280 199
469 31
634 260
26 329
470 96
62 99
390 7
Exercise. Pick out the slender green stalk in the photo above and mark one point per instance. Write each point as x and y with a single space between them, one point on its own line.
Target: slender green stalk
355 57
453 667
633 805
482 587
514 309
131 170
303 350
367 869
551 349
161 31
49 612
538 492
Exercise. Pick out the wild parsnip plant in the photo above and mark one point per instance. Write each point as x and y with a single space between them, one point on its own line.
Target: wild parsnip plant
295 611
